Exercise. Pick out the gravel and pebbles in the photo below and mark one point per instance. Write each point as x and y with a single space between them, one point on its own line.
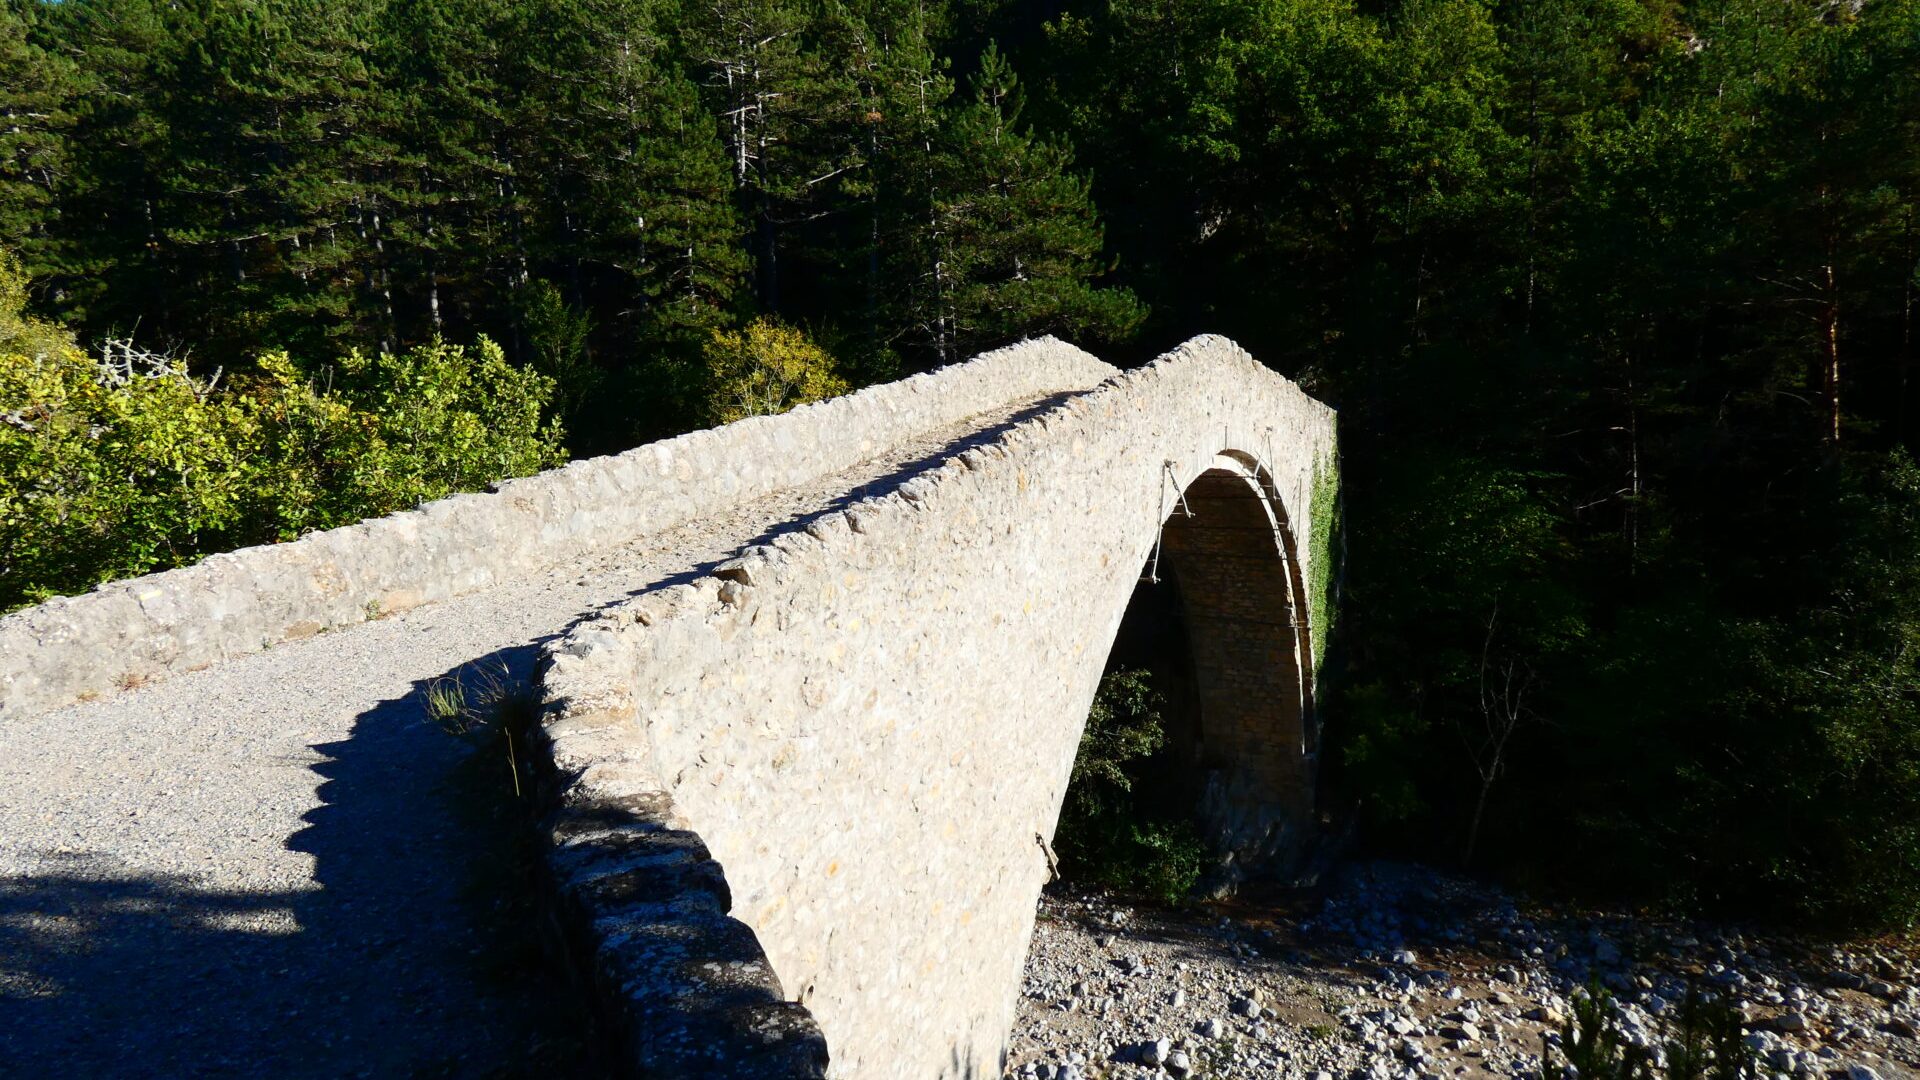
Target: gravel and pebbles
1394 972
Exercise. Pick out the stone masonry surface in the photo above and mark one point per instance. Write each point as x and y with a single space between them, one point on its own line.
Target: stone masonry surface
256 867
853 740
126 632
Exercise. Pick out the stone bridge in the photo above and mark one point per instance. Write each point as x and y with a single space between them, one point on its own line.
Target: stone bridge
869 721
807 747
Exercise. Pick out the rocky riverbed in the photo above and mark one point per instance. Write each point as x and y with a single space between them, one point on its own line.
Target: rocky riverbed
1396 972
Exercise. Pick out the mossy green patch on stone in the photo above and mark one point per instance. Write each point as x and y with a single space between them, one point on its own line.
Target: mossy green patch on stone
1323 518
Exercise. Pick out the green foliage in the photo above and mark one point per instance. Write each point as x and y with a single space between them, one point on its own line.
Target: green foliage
559 346
20 332
1615 298
1704 1042
1383 756
101 480
376 433
1592 1045
1123 726
1158 857
1106 835
119 466
1826 706
35 118
766 369
1474 565
1708 1042
1323 554
1166 858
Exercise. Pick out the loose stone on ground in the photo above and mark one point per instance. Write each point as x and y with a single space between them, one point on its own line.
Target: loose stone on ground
1398 973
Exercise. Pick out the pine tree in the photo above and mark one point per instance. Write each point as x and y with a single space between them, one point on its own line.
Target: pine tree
1012 244
1149 92
313 116
636 178
1826 157
903 90
36 89
218 215
115 270
776 73
637 214
1446 166
457 242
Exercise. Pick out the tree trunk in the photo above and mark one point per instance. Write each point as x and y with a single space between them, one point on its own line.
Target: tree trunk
1479 811
1830 321
1633 460
1830 355
1903 404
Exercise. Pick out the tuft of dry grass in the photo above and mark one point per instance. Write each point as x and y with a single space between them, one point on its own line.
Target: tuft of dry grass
498 707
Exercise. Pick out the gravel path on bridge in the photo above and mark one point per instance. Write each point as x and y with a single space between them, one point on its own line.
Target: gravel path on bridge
263 868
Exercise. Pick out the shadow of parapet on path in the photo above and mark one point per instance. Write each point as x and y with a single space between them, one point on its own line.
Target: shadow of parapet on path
420 838
384 965
108 973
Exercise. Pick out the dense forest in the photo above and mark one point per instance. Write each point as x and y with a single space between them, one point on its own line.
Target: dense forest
1616 298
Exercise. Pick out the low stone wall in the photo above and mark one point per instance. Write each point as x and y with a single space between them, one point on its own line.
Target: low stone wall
126 632
861 733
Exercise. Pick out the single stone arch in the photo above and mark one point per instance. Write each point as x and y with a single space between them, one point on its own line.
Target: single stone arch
807 801
1228 546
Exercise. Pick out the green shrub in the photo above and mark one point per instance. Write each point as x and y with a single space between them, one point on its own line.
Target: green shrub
1702 1041
127 463
20 333
109 471
766 369
1107 835
557 336
379 433
1123 727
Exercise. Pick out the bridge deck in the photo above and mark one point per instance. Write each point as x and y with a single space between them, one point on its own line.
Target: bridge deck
263 868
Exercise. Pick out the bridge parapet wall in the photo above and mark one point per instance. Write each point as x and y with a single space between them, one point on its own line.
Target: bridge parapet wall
126 632
869 724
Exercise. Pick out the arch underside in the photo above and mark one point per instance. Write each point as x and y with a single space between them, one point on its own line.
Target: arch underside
1228 548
